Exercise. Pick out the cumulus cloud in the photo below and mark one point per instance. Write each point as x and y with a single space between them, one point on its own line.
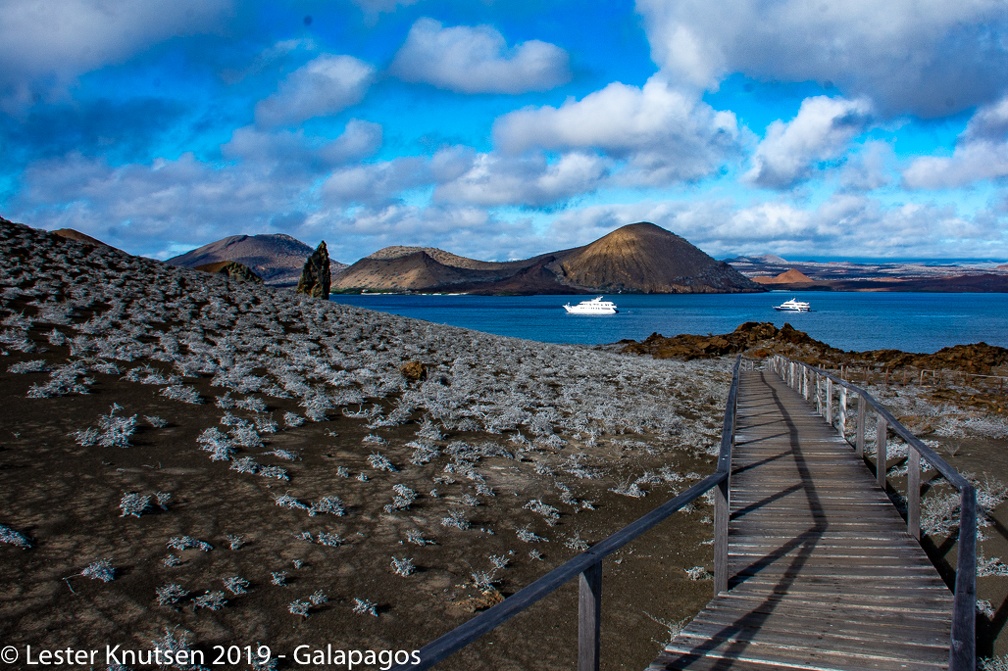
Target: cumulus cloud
663 133
981 153
477 60
376 184
843 225
820 131
324 86
360 139
44 46
869 169
151 208
929 58
492 180
989 123
469 231
970 163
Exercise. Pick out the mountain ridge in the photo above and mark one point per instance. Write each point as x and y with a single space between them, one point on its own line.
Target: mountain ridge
636 258
277 258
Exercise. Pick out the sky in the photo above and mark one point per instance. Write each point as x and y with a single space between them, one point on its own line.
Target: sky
502 129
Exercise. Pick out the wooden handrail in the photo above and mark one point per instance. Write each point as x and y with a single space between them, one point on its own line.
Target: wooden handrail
962 652
587 566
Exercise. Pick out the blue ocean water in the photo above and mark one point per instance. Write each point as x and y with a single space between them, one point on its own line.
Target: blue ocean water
913 322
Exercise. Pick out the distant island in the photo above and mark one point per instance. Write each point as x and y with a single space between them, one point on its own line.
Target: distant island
774 272
637 258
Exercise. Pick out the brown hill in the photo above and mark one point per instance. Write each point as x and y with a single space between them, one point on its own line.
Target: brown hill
71 234
403 269
439 255
233 269
278 259
644 258
638 258
792 276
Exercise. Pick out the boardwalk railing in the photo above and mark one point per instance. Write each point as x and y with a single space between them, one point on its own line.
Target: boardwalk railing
587 566
829 394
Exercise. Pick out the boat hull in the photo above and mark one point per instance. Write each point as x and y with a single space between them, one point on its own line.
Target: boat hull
573 310
596 306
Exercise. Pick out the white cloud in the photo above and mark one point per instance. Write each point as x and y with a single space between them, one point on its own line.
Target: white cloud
322 87
663 133
970 163
843 225
980 154
477 60
468 231
491 180
989 123
870 169
376 184
820 131
150 208
45 45
359 139
929 57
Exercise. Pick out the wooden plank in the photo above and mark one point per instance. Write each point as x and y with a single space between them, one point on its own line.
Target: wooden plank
914 642
824 574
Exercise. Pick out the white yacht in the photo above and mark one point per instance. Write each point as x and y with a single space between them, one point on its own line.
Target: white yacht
793 306
595 306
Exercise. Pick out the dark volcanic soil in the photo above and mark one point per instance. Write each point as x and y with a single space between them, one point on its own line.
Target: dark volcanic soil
256 435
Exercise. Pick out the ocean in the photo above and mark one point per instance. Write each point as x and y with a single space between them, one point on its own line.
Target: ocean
912 322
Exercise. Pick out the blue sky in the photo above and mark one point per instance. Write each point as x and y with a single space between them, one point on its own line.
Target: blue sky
501 130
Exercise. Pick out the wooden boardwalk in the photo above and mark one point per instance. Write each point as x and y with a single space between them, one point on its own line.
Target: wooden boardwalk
822 572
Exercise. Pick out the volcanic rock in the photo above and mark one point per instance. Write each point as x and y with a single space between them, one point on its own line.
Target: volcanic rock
233 269
315 280
757 338
414 370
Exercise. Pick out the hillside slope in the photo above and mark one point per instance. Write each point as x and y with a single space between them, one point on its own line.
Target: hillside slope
278 259
644 258
638 258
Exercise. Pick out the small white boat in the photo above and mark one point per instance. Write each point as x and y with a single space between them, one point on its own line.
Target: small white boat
595 306
793 306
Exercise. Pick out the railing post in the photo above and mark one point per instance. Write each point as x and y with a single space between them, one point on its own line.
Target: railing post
818 393
913 492
880 451
861 413
962 654
589 617
843 413
721 515
829 401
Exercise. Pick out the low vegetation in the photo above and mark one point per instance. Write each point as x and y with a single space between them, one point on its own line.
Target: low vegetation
240 454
